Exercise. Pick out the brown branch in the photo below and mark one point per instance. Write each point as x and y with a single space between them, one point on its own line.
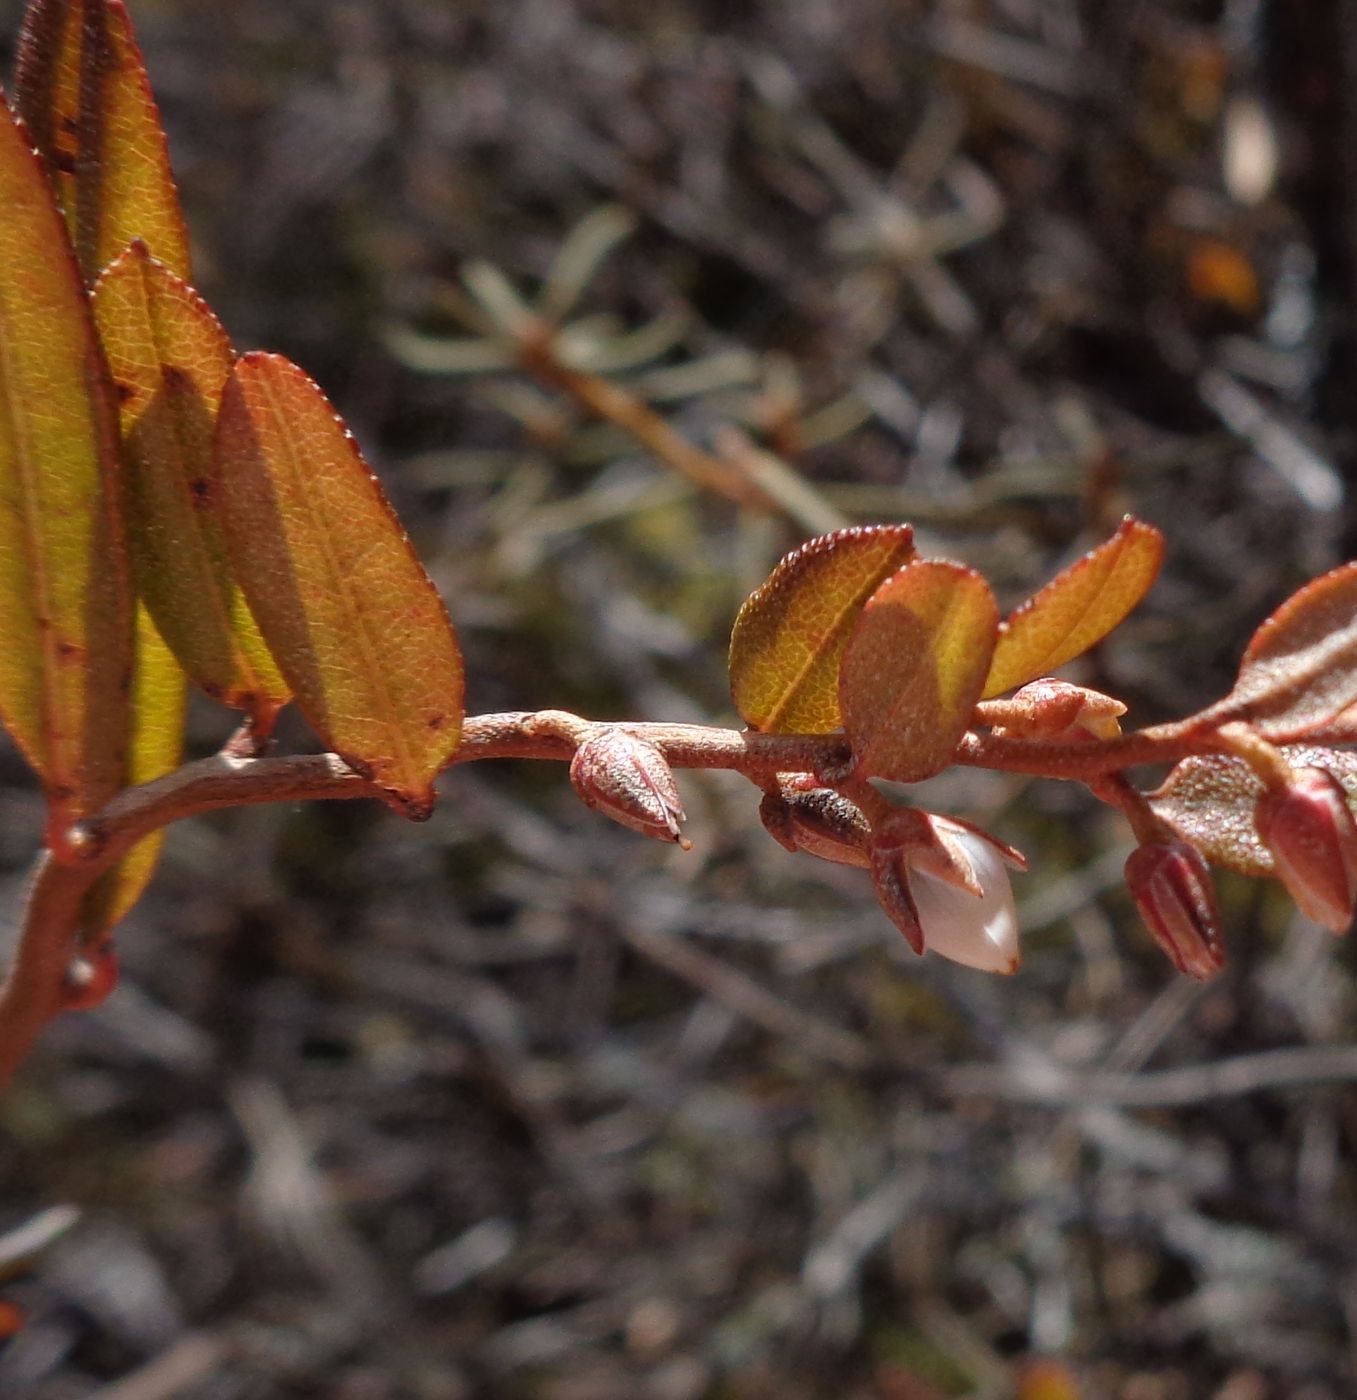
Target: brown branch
33 991
610 402
1164 743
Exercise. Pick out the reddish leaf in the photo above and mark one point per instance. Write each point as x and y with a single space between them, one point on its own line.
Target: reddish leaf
170 360
81 86
1078 608
1210 800
791 632
1300 668
913 669
354 622
65 663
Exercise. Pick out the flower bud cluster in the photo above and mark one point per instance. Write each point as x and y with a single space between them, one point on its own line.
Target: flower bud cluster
1304 820
944 883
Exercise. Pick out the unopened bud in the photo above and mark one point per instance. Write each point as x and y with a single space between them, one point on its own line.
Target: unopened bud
629 780
804 817
1309 828
944 885
1172 888
1051 709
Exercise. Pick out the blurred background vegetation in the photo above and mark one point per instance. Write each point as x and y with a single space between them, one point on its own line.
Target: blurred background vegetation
518 1105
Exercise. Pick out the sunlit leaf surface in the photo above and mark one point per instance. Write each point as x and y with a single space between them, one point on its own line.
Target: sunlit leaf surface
1078 608
64 597
791 632
170 360
81 86
159 694
354 622
913 669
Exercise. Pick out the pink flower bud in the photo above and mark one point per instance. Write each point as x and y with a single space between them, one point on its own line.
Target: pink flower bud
804 817
1309 828
1172 888
944 885
629 780
1051 709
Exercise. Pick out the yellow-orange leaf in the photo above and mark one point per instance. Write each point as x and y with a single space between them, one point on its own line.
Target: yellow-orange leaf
1078 608
64 598
354 622
914 667
81 85
790 634
170 361
1300 668
159 694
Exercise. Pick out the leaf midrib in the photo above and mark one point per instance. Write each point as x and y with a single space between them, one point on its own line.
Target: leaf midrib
847 614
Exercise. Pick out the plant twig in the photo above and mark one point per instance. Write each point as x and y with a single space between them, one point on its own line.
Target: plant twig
34 990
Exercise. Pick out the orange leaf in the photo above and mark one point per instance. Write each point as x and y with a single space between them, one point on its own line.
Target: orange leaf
913 669
791 632
1078 608
81 85
65 663
354 622
1300 668
170 361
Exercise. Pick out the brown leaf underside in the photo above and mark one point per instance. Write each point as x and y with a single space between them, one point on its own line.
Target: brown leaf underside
1210 800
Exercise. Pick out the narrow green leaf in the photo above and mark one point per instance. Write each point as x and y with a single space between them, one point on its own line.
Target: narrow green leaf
913 669
65 664
1078 608
170 361
82 88
354 622
791 632
1300 668
159 701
